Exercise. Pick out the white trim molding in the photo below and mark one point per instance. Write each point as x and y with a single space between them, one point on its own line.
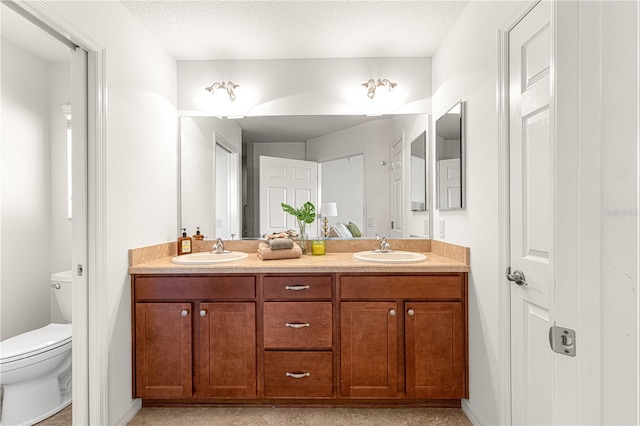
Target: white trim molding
92 342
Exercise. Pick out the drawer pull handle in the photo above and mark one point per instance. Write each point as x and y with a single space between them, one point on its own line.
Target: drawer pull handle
411 312
296 287
297 375
184 313
203 312
392 312
297 325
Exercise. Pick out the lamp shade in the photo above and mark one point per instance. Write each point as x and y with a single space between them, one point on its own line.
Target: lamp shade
328 209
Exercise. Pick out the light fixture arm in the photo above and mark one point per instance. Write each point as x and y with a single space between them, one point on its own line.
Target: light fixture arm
229 87
372 85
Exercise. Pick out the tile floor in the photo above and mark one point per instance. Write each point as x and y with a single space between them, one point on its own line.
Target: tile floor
62 418
266 416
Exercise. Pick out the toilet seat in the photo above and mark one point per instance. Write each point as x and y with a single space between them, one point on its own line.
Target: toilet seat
34 343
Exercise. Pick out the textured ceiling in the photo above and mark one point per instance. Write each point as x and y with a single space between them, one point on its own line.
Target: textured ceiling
205 30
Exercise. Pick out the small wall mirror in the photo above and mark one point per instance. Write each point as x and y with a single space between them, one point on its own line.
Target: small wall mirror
419 173
450 172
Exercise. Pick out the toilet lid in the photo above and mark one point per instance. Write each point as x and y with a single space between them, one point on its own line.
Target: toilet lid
34 342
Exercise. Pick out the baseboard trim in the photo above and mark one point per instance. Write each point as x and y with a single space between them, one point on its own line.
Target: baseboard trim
472 414
129 414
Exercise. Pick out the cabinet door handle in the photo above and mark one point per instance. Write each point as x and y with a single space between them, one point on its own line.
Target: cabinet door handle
297 325
184 313
203 312
296 287
297 375
392 312
411 312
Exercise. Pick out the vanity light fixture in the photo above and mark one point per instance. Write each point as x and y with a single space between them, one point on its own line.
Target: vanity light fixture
372 85
228 86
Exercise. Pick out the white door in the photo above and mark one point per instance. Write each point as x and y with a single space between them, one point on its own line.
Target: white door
397 188
531 216
449 184
292 182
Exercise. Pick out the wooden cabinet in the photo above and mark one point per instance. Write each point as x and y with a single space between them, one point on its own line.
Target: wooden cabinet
298 336
435 350
342 338
413 344
193 337
163 350
227 349
369 347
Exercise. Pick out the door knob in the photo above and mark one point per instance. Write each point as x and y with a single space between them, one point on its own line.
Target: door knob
517 276
184 313
411 312
203 312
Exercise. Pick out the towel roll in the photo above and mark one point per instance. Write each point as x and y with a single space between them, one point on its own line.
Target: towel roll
280 244
266 253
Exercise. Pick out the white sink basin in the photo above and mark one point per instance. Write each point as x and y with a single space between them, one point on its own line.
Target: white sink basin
209 258
395 256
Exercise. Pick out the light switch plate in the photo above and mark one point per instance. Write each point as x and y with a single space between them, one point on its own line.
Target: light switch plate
441 228
370 222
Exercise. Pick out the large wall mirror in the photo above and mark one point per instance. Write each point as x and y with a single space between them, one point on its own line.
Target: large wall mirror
221 179
450 159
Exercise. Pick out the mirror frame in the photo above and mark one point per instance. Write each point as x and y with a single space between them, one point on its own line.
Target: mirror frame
462 157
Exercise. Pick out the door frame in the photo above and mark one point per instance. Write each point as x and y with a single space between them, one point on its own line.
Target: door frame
90 342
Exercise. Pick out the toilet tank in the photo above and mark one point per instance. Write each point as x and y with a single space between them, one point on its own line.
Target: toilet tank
61 284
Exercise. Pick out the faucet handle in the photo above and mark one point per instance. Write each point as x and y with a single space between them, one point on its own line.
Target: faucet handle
218 247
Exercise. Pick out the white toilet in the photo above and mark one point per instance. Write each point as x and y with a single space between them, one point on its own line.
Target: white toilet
35 367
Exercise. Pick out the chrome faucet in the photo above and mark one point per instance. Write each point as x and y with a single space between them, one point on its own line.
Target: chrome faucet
384 245
218 247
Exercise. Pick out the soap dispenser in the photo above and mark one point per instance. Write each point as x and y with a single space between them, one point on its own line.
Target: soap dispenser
198 236
184 243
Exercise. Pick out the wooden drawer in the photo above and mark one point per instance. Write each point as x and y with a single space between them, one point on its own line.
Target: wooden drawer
298 325
185 287
297 287
433 286
298 375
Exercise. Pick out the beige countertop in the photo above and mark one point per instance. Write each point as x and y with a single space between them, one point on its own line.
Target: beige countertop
331 262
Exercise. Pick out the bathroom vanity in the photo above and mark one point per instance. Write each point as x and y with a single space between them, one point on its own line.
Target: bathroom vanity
325 330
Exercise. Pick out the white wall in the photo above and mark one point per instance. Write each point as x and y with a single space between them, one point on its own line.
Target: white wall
373 140
304 86
25 192
60 94
141 199
197 179
465 68
342 182
619 147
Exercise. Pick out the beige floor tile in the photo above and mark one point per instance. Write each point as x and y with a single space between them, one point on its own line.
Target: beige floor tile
283 416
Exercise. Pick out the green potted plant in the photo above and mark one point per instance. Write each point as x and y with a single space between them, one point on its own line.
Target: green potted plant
304 215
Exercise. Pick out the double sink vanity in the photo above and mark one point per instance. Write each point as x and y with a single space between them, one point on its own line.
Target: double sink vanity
339 329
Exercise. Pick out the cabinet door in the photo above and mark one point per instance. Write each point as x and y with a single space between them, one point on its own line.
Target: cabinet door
227 349
163 350
369 349
435 350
